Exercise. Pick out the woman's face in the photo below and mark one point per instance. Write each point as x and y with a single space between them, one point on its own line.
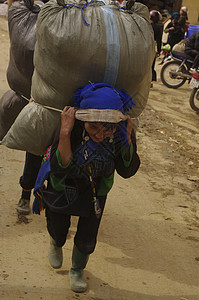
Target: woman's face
98 132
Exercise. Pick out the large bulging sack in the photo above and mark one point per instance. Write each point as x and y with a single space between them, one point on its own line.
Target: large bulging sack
10 106
22 18
116 47
100 43
180 47
39 143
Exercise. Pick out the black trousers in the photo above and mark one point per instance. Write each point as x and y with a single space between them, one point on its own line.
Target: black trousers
87 229
154 74
31 169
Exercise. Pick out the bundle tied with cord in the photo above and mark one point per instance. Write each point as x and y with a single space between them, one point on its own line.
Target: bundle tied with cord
78 43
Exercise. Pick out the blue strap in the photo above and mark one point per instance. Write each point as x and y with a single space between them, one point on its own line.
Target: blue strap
82 8
113 46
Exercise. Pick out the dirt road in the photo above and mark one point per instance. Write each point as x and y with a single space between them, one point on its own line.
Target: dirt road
148 245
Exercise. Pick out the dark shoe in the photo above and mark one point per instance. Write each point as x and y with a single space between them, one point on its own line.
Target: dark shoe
55 255
23 207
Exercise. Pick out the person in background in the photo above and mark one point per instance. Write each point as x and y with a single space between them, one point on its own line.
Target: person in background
155 17
166 19
183 20
27 182
96 137
175 30
192 49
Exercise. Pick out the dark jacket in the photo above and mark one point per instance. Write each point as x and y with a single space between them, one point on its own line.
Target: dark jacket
104 159
157 29
175 36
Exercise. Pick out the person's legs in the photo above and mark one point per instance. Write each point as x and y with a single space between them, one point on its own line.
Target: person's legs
85 242
58 226
27 181
87 230
31 169
154 74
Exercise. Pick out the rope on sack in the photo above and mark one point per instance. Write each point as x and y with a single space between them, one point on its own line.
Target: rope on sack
127 5
45 106
82 8
31 6
82 115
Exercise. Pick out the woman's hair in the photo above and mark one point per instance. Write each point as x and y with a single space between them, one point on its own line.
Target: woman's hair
108 126
155 16
175 15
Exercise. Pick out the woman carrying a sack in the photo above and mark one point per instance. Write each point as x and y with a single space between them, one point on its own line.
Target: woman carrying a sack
95 138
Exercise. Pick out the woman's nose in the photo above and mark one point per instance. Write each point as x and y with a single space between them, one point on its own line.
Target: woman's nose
100 134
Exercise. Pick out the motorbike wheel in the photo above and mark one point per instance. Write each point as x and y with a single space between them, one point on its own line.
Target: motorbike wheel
194 99
172 81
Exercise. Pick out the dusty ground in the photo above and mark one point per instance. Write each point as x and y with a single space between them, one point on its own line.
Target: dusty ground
148 246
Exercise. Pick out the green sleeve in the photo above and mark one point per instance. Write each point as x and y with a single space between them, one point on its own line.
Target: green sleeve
127 162
59 160
105 185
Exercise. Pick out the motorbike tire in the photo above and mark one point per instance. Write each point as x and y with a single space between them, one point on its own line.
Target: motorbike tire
177 82
194 99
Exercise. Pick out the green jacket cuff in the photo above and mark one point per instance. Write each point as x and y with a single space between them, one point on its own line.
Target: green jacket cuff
59 160
127 162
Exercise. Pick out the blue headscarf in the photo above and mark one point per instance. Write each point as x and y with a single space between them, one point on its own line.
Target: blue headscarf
175 15
104 96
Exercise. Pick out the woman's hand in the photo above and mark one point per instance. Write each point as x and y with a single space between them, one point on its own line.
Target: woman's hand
129 128
67 124
67 120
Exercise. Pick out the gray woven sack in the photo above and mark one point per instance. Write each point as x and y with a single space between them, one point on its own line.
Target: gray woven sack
10 106
22 18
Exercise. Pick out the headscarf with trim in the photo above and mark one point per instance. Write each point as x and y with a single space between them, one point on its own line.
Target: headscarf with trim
103 96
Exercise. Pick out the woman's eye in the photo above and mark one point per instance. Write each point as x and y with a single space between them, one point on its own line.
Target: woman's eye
93 127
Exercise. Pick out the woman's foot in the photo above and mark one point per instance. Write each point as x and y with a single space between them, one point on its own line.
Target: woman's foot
23 206
55 255
79 261
77 284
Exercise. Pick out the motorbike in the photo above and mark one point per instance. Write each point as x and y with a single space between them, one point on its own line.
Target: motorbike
176 71
194 97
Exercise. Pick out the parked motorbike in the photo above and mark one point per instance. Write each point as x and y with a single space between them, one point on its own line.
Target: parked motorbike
176 71
194 97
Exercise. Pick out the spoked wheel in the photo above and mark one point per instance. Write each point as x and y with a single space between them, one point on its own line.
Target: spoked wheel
172 76
194 99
